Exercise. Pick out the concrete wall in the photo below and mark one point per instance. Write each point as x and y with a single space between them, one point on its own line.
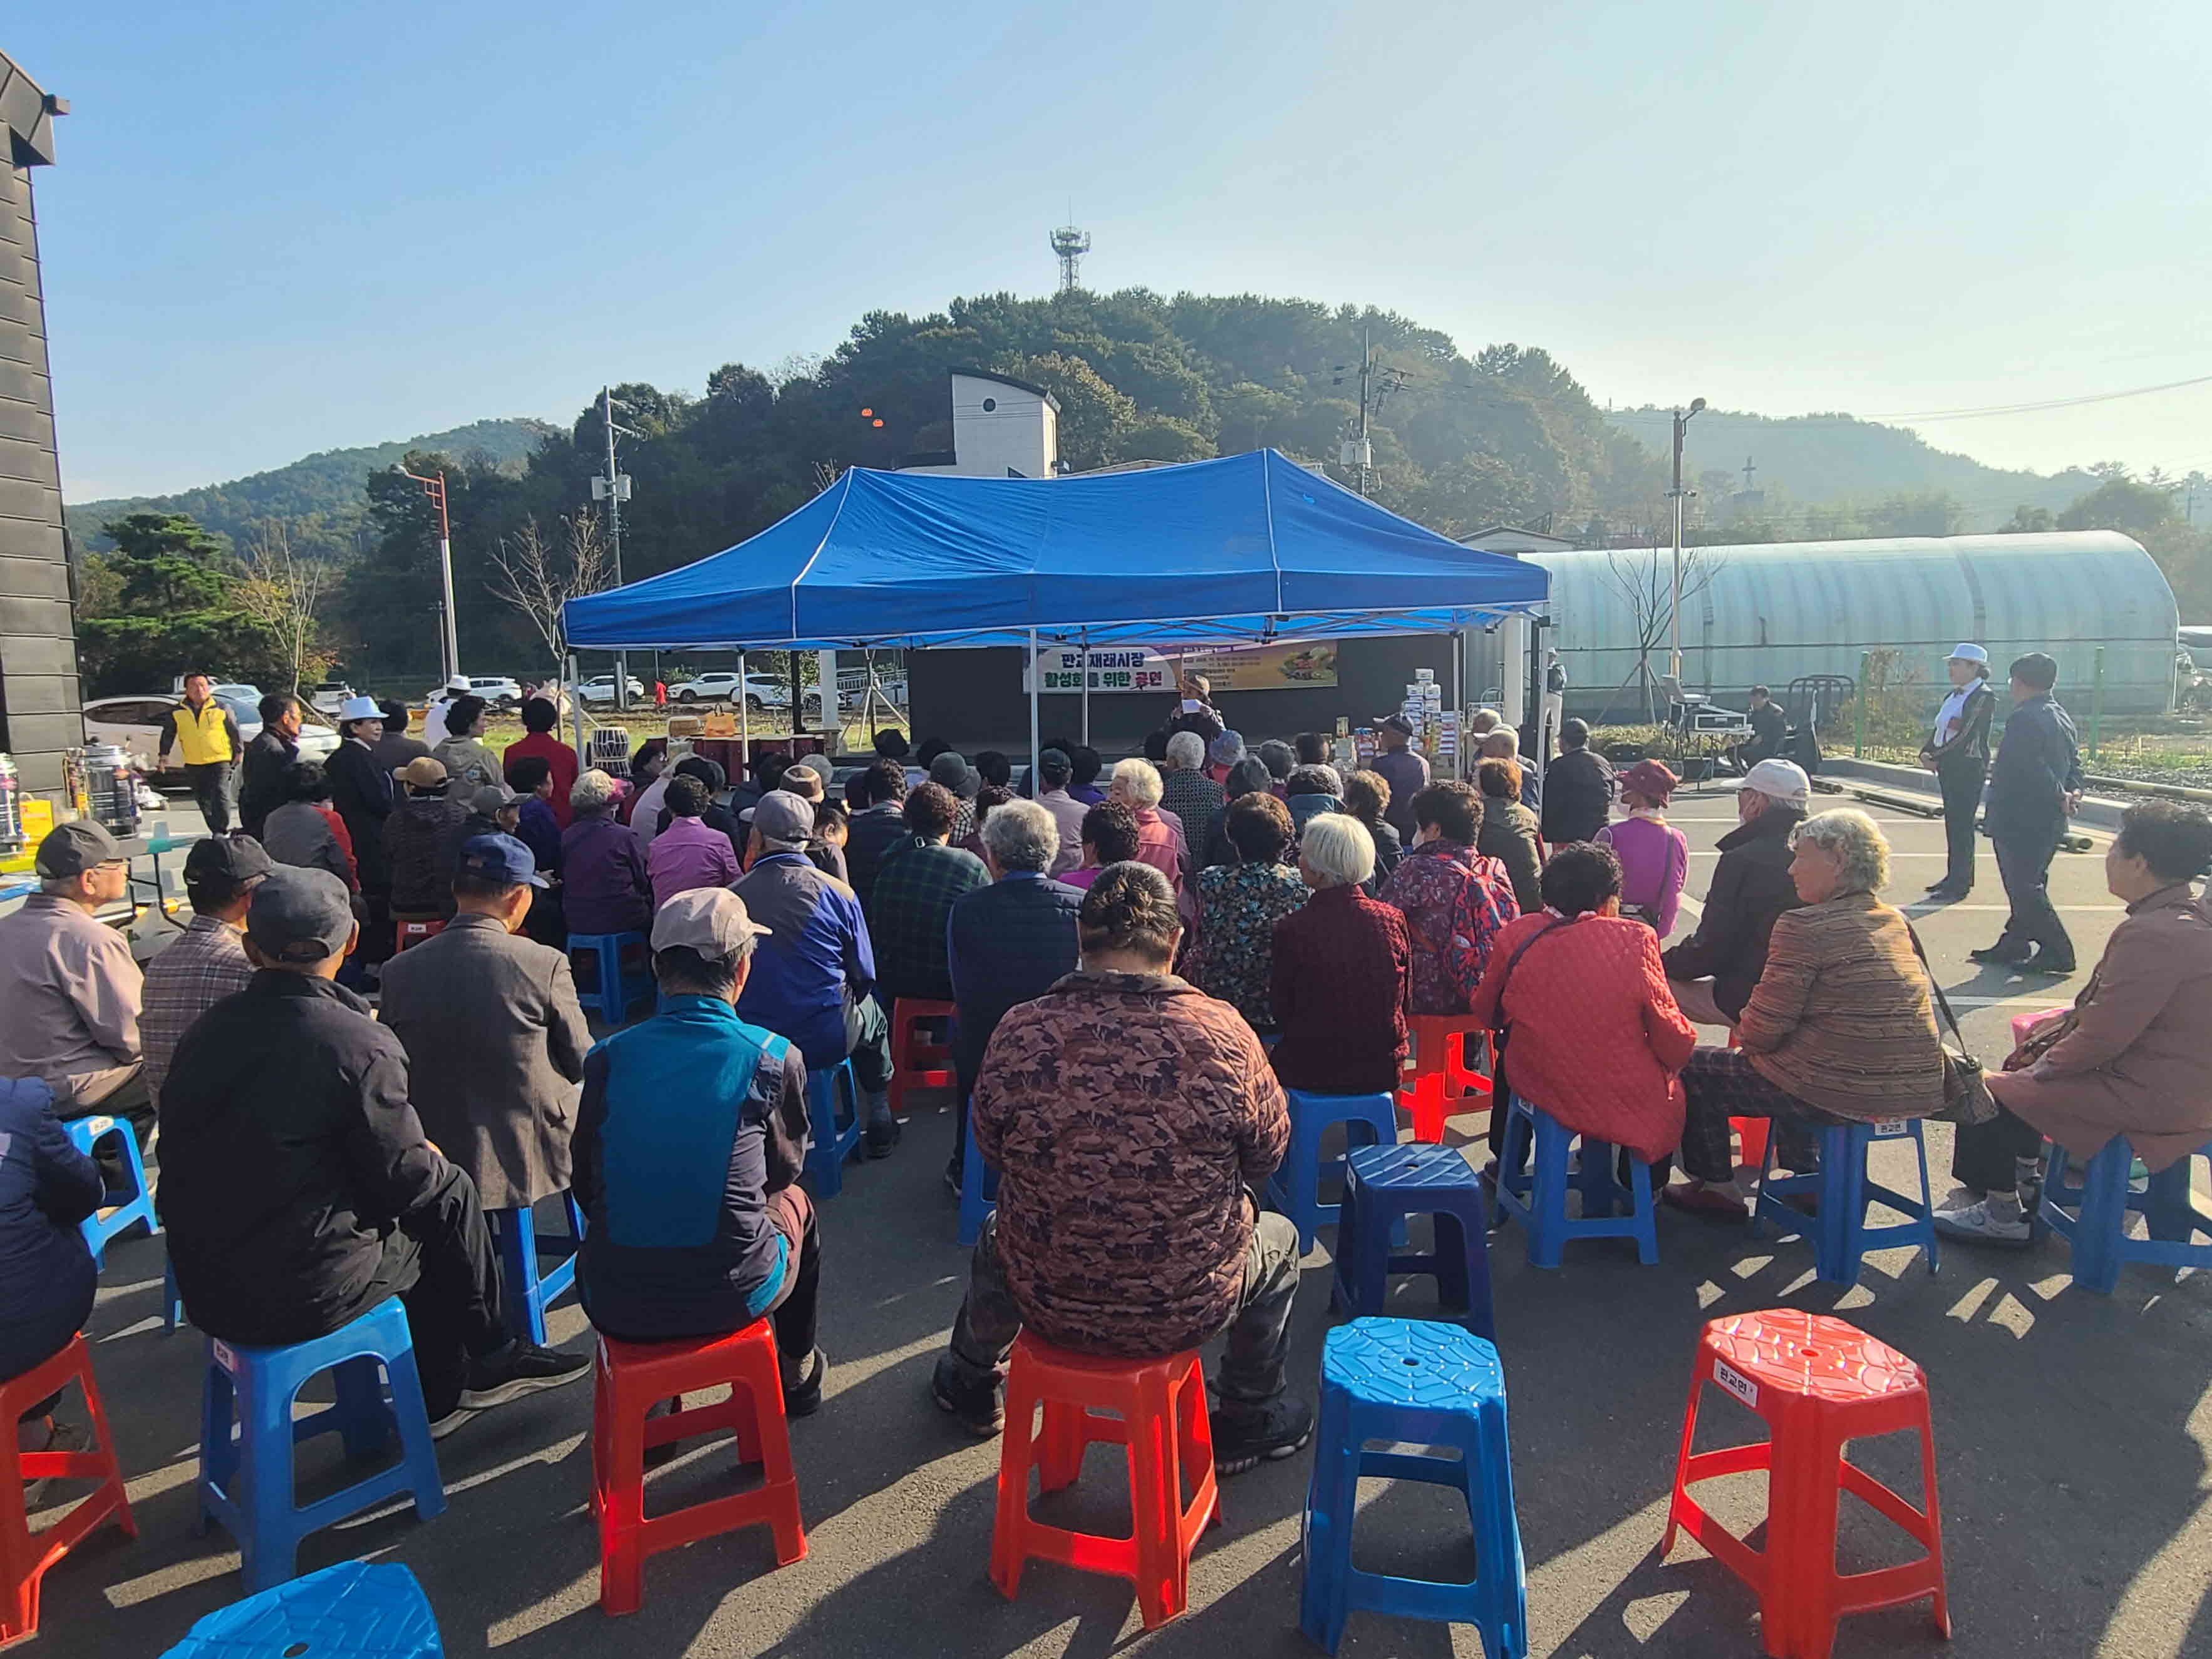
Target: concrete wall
38 694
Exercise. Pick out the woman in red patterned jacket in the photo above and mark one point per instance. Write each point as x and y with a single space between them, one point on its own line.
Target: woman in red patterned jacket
1596 1040
1455 900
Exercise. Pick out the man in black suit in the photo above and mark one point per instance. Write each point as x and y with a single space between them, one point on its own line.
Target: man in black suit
1009 942
1578 789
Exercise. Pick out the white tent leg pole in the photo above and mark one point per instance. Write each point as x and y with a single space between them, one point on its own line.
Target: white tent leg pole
1087 687
1037 678
745 719
575 692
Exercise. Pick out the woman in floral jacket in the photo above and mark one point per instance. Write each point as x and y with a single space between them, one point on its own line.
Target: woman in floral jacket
1454 899
1240 904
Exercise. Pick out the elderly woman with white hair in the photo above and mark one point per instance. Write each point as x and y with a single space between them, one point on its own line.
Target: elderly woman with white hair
1337 985
1188 790
1840 1028
605 882
1137 785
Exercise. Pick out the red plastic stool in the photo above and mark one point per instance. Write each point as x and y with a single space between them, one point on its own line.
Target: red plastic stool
413 930
25 1556
630 1376
1163 1421
1819 1383
1440 1073
917 1064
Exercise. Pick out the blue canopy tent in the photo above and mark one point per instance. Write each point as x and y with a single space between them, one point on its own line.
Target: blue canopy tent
1248 548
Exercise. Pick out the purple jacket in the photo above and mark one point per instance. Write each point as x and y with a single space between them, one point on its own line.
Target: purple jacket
1654 861
605 887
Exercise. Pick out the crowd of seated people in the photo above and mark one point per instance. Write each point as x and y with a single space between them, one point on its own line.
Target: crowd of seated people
1090 949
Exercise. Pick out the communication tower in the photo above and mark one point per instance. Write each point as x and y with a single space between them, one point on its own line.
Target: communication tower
1069 245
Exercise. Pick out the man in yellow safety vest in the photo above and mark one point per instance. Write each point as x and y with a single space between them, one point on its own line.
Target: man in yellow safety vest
207 734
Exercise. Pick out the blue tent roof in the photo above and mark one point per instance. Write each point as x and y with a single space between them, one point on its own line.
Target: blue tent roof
1248 547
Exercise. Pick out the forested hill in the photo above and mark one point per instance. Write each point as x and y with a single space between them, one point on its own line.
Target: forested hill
1824 458
323 498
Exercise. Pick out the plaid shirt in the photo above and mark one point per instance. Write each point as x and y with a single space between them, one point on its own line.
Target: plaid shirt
1196 800
909 913
191 975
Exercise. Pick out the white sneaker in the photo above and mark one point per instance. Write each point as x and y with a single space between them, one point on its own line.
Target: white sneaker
1975 1225
1961 1198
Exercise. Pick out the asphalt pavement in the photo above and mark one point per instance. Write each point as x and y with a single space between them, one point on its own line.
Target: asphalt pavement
2071 1432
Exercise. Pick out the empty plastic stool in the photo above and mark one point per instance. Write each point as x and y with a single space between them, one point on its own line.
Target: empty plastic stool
528 1292
979 1191
613 991
245 1474
2092 1218
1440 1073
1160 1407
107 1223
1383 1184
917 1063
1538 1203
26 1555
630 1378
1841 1238
834 1142
1819 1383
1295 1187
1430 1384
349 1611
413 930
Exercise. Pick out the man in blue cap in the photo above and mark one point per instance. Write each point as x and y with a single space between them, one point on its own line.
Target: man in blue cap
298 1189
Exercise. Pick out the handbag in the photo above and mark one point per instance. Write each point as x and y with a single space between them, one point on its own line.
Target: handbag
1649 913
1967 1096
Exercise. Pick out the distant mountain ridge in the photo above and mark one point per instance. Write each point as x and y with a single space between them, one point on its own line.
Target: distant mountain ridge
322 498
1833 457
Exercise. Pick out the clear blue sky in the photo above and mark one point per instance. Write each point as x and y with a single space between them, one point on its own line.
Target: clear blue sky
277 228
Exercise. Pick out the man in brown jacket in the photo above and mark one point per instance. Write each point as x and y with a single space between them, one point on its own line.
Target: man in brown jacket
1130 1116
2133 1055
495 1038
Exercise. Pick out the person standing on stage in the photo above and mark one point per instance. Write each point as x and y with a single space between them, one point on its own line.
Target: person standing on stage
1957 752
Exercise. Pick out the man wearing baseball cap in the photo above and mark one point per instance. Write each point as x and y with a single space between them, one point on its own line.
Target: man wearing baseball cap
1712 972
818 977
1405 771
208 963
418 839
297 1186
1957 752
688 1146
68 990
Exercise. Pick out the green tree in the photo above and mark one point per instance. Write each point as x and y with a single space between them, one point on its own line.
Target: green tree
2119 503
166 600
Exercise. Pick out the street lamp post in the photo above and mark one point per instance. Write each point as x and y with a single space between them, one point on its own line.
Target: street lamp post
1674 654
436 489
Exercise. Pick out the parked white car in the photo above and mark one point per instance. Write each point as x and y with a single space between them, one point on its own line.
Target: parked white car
134 725
497 690
600 688
329 696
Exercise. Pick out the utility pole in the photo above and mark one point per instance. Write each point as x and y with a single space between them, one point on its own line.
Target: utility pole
614 490
1674 653
1366 372
450 644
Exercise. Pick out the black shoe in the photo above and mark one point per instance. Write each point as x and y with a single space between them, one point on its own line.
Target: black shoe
952 1175
980 1408
518 1369
1245 1434
2003 951
804 1397
1944 893
881 1138
2044 961
60 1437
442 1426
1940 886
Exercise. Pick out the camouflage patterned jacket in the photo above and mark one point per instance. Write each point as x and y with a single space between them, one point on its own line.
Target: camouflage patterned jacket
1126 1113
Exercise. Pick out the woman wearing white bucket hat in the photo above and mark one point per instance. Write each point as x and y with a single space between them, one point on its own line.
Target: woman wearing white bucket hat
1957 752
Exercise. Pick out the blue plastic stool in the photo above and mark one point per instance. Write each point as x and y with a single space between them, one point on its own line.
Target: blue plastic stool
245 1479
612 997
1383 1184
85 1133
833 1142
172 1301
1427 1384
528 1292
350 1611
1540 1203
2096 1229
979 1192
1295 1187
1840 1236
